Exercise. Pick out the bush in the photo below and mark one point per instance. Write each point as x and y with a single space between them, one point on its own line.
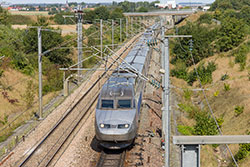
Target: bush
216 93
205 18
29 95
202 46
54 78
1 72
231 34
5 119
226 87
205 73
180 70
205 125
185 130
189 108
238 110
187 94
243 152
241 55
59 19
220 121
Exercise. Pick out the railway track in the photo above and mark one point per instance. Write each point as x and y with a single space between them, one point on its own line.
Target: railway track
44 153
112 158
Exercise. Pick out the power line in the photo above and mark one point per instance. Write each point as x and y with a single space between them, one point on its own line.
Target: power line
209 106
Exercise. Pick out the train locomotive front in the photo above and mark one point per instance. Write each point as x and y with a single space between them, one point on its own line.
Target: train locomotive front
119 102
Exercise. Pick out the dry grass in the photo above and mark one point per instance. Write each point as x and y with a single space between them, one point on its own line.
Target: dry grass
18 83
223 105
31 13
66 29
206 160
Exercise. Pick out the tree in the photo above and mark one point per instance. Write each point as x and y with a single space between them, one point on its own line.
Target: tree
229 4
231 33
205 18
4 16
49 41
143 9
89 16
202 39
102 13
117 13
59 19
29 95
245 14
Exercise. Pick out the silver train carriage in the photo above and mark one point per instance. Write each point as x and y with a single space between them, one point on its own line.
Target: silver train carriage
119 102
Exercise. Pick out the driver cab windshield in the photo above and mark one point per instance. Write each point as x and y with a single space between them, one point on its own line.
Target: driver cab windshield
124 103
107 104
116 104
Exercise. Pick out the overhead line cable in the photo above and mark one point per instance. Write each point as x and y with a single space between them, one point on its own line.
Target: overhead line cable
209 106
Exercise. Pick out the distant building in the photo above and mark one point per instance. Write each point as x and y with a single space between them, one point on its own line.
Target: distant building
67 4
163 4
191 4
205 8
4 4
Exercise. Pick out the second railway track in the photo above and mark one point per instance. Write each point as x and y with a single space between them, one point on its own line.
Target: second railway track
45 151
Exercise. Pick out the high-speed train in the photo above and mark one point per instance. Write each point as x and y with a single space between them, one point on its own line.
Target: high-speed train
119 102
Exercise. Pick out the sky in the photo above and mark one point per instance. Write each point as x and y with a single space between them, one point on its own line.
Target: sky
88 1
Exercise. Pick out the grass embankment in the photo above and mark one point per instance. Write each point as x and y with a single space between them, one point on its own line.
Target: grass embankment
228 92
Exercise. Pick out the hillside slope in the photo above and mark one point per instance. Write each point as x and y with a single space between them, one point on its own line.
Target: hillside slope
228 93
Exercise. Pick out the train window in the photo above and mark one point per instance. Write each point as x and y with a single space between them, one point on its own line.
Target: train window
124 104
107 103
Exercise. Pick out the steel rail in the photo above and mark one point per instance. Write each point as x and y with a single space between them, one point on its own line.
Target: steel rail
112 158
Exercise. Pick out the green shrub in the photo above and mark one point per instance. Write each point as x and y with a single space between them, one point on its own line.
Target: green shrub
238 110
1 72
54 78
187 94
205 125
205 73
205 18
241 59
180 70
5 119
216 93
185 130
202 46
29 95
231 34
189 108
226 87
220 121
241 55
243 152
5 137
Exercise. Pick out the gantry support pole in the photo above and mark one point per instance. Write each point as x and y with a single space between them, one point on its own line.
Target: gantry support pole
120 30
79 39
112 34
40 72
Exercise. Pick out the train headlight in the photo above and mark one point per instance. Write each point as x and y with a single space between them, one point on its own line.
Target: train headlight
123 126
102 125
